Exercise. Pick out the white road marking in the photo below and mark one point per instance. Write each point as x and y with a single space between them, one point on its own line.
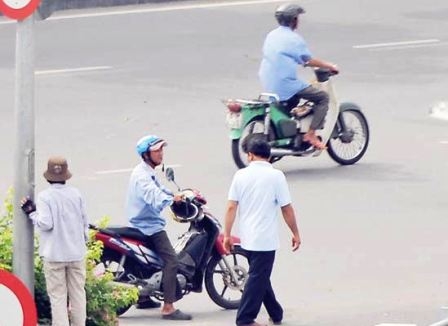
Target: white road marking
71 70
395 44
150 10
405 47
113 171
396 325
443 142
130 169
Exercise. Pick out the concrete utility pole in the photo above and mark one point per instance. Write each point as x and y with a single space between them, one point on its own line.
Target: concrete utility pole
23 236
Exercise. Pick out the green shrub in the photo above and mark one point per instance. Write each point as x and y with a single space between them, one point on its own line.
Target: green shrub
104 296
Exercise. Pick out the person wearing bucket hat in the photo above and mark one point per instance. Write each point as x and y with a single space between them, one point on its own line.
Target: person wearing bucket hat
146 199
60 217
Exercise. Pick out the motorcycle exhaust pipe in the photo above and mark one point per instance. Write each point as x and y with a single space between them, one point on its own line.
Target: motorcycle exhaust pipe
280 152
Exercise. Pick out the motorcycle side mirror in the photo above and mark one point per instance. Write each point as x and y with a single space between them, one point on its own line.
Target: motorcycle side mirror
169 174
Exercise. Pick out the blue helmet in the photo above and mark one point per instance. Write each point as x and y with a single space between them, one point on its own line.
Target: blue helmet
151 143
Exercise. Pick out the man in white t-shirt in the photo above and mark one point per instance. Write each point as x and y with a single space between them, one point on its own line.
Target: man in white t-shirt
256 195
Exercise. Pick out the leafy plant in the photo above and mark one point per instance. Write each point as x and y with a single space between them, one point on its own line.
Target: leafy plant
104 296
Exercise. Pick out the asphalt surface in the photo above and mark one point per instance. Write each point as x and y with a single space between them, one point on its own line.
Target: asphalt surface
374 234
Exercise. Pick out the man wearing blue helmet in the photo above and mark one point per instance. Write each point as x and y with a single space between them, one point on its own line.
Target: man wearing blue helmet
146 198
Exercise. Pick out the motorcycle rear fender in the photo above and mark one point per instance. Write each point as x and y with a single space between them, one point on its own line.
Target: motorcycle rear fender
113 243
219 245
248 114
251 114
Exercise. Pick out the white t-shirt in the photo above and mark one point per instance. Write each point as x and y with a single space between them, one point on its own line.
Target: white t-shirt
260 191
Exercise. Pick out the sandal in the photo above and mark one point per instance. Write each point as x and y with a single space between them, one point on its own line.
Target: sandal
315 142
177 315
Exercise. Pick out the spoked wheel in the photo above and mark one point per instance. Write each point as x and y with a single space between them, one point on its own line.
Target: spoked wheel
122 274
253 127
351 137
222 288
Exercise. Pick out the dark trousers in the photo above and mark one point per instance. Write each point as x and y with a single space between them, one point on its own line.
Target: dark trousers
258 289
160 244
318 97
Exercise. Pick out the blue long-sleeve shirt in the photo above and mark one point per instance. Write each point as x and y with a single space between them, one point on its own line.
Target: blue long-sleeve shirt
146 199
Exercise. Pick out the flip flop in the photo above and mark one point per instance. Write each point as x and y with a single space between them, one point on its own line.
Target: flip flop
315 142
177 315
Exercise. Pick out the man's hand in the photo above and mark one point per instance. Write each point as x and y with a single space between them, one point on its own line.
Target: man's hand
27 205
295 242
334 68
178 197
228 244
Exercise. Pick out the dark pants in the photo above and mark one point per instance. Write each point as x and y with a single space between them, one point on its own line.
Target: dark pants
258 289
160 244
320 108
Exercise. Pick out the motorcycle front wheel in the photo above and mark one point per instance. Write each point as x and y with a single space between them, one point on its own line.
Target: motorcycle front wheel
253 127
350 138
222 288
111 262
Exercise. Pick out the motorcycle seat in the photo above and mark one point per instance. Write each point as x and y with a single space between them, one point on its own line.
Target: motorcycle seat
126 232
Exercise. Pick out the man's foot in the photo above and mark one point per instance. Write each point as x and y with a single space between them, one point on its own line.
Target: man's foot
314 141
147 303
253 324
276 322
177 315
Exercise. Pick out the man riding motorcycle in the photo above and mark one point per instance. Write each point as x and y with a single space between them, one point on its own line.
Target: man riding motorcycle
146 198
283 51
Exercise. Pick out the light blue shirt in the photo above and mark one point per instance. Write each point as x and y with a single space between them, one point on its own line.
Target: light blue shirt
283 51
62 222
146 198
260 191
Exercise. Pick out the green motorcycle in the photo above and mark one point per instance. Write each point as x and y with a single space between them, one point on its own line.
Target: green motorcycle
346 131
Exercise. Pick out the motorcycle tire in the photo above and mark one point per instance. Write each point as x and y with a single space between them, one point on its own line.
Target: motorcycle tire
348 146
255 126
111 261
215 274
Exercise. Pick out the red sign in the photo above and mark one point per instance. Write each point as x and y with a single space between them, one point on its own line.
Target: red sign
21 293
18 9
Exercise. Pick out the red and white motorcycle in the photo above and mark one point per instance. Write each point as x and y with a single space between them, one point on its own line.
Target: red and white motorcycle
200 250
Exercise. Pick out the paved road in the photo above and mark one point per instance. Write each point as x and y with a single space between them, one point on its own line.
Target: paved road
374 234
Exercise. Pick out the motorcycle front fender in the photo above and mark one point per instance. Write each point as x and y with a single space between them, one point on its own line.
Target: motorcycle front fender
219 245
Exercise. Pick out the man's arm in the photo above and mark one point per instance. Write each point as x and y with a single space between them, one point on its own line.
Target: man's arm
290 219
313 62
228 224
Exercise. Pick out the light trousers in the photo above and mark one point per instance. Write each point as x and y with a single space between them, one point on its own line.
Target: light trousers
66 280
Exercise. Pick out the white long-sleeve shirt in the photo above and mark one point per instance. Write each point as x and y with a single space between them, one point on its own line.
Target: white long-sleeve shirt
62 221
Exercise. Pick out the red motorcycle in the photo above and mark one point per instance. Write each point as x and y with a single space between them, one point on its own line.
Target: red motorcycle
201 255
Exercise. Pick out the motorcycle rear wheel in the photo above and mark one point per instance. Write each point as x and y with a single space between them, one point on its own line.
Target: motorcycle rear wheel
349 146
253 127
224 291
111 262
